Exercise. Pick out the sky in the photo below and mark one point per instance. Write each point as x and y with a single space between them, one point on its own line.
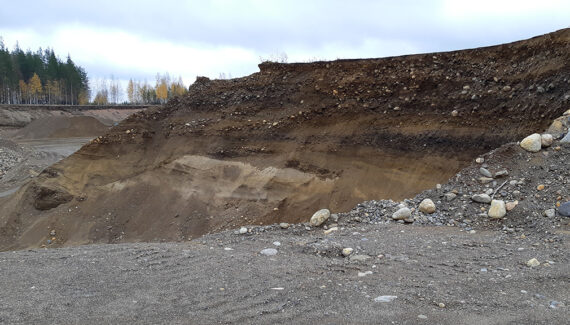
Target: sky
138 39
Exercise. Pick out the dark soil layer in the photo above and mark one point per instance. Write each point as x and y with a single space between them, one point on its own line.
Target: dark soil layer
293 138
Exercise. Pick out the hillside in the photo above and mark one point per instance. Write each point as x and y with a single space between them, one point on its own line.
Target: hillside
293 138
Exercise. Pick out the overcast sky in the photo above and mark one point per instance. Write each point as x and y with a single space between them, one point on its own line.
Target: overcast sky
136 39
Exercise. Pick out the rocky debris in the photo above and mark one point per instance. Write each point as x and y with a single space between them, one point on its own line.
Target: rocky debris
49 197
546 140
566 138
550 213
427 206
485 172
532 262
497 209
347 251
481 198
385 298
511 205
564 209
450 196
268 252
284 225
401 214
243 230
320 217
532 143
501 173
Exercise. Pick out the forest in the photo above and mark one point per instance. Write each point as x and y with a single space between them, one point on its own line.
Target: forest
40 78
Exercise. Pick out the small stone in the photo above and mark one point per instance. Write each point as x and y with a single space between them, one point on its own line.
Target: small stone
243 230
454 113
441 305
481 198
480 160
555 304
511 205
485 180
540 187
284 225
566 138
427 206
497 210
320 217
52 233
546 140
401 214
485 172
268 252
347 251
385 298
532 262
507 88
328 231
502 173
564 209
361 274
532 143
450 196
276 243
550 213
422 317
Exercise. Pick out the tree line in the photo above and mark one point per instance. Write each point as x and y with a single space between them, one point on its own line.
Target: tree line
40 78
138 92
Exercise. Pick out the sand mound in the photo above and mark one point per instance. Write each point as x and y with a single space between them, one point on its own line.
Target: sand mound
62 127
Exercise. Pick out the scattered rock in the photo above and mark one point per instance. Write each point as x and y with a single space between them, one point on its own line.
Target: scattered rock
540 187
566 138
485 180
454 113
502 173
361 274
359 258
422 316
401 214
564 209
52 233
481 198
427 206
347 251
485 172
480 160
328 231
268 252
385 298
532 262
550 213
243 230
441 305
511 205
546 140
284 225
497 210
320 217
450 196
532 143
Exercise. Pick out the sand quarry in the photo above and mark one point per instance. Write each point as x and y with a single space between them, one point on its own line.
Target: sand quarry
230 174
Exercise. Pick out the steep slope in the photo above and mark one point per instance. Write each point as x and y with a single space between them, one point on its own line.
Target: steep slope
293 138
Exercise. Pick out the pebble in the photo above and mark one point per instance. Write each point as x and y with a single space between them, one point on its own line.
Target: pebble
566 138
511 205
450 196
347 251
550 213
52 233
422 316
243 230
480 160
564 209
497 210
427 206
401 214
555 304
546 140
441 305
481 198
359 258
485 172
276 243
540 187
284 225
532 262
320 217
485 180
502 173
532 143
385 298
328 231
361 274
268 252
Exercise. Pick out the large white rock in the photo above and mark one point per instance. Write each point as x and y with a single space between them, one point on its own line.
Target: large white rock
427 206
546 140
532 143
498 209
401 214
320 217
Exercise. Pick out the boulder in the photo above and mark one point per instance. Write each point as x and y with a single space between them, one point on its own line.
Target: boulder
497 210
532 143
